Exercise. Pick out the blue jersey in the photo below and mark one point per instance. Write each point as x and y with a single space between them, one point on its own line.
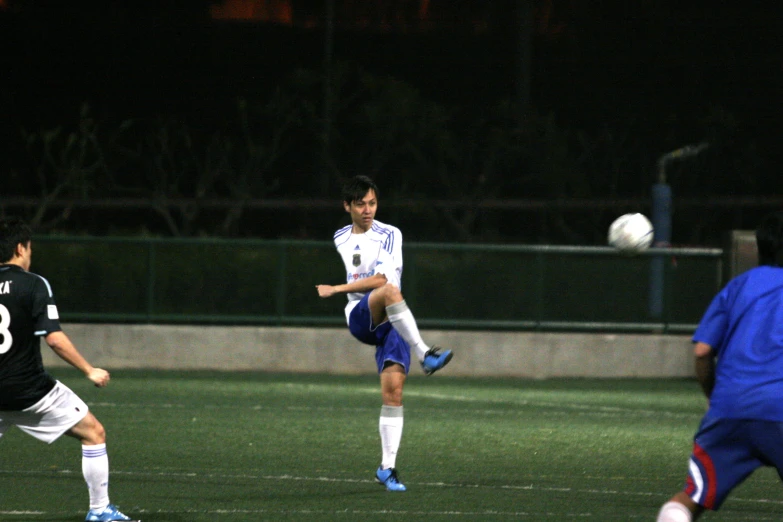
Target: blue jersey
744 326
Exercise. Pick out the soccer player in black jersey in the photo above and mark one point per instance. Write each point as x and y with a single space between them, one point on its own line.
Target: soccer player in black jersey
30 398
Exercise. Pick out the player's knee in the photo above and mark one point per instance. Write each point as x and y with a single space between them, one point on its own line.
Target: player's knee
92 432
392 398
392 294
392 394
99 434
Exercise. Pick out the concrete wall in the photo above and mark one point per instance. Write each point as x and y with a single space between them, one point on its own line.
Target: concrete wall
333 350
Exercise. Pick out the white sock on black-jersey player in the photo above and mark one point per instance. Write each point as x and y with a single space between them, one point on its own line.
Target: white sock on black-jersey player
95 468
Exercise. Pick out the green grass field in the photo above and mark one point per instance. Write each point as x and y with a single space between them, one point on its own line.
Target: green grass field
200 446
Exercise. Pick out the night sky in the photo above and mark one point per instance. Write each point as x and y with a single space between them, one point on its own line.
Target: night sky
587 58
666 65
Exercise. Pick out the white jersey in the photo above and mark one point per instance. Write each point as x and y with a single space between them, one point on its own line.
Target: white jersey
377 251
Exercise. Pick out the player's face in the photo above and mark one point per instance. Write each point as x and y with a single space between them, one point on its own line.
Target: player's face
363 211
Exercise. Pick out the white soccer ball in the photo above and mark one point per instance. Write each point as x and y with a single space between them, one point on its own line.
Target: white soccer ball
631 233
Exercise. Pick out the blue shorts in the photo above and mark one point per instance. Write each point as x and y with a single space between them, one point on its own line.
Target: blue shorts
726 452
389 346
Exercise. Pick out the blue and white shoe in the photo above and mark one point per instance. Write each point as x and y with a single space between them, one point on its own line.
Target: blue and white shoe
434 360
108 514
388 478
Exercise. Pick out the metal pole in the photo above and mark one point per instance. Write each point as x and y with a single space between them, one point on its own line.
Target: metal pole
662 210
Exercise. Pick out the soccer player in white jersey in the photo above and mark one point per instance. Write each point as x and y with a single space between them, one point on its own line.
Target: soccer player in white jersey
377 313
30 398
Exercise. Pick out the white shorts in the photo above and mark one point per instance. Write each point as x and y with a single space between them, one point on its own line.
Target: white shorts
60 410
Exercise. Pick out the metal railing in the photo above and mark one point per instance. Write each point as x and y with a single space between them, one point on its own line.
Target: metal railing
448 286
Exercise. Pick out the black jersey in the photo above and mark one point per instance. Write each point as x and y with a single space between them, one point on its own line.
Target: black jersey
27 312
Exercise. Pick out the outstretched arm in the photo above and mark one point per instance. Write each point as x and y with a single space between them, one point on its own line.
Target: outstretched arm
362 285
64 348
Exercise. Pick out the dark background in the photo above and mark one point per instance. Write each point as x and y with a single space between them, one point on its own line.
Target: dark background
183 118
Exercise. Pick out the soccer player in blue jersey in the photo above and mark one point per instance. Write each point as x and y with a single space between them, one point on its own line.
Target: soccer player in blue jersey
377 313
739 365
30 398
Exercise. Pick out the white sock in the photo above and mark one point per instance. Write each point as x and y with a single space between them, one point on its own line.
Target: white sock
390 427
403 321
674 512
95 467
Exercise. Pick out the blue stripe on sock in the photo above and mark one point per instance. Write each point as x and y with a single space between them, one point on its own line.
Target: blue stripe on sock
91 454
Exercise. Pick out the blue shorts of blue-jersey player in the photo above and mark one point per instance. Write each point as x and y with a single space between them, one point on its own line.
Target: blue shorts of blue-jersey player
725 453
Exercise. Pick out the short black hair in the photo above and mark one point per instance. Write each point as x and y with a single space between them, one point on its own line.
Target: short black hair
769 239
13 231
357 187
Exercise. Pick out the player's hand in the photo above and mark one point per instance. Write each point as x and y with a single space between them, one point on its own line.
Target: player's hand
99 377
325 290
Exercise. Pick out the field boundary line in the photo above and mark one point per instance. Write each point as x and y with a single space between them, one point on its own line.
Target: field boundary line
284 477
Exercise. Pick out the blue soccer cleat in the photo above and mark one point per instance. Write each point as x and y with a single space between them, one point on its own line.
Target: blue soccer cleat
108 514
388 478
434 361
